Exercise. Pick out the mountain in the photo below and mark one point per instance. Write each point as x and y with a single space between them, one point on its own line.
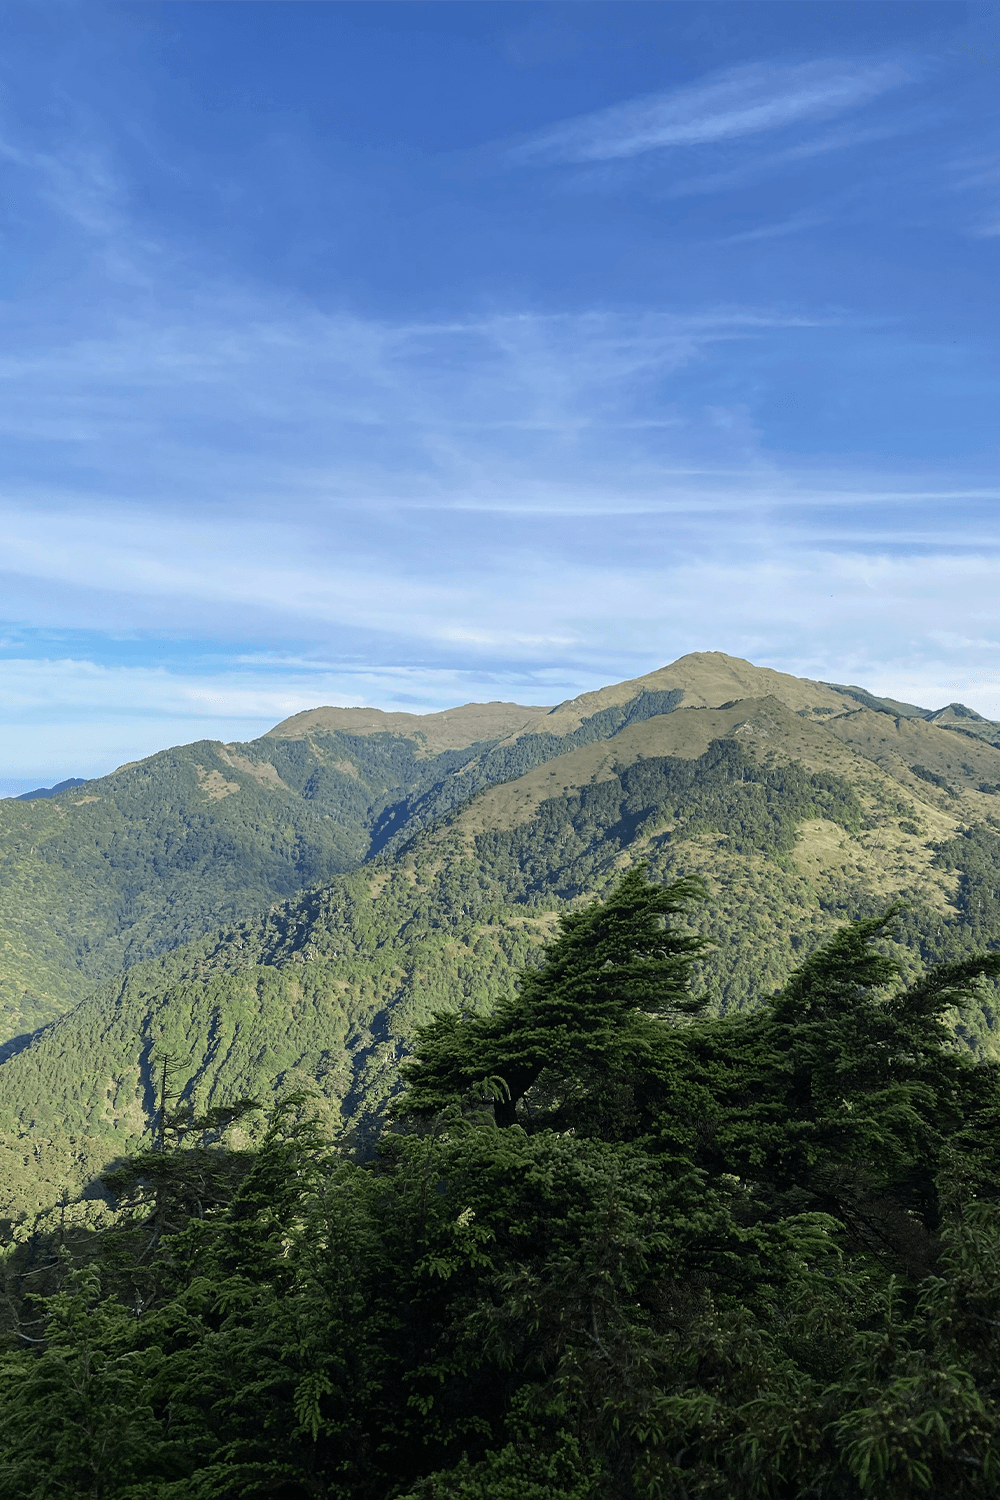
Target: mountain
953 716
105 873
452 729
966 721
798 805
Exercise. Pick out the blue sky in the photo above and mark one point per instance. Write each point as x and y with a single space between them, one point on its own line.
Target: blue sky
408 354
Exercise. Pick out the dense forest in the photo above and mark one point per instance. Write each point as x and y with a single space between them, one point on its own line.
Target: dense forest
610 1244
106 873
137 863
562 1103
325 990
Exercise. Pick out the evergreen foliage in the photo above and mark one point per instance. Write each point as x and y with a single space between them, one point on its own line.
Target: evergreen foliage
611 966
752 808
737 1236
100 875
506 762
132 865
777 1276
327 989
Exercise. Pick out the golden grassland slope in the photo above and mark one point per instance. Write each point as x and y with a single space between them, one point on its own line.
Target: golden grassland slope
687 732
899 744
708 679
885 858
451 729
69 865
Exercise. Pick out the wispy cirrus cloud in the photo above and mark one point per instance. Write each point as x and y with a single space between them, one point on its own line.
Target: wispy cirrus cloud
410 483
744 101
71 715
293 391
234 399
841 615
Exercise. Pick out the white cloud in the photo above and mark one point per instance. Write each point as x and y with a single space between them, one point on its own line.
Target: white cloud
76 181
917 629
29 685
743 101
307 371
978 175
500 505
207 450
475 503
493 593
75 717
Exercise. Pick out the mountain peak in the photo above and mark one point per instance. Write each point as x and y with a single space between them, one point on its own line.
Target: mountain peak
957 711
52 791
707 679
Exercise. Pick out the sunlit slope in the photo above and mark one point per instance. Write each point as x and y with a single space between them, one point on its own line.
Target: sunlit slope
793 826
142 861
134 864
702 679
138 862
909 748
877 832
451 729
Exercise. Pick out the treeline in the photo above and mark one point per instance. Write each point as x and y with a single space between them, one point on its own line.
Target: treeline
613 1247
506 762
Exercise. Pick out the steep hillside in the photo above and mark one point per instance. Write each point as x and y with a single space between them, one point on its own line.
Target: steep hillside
107 873
703 679
104 874
794 819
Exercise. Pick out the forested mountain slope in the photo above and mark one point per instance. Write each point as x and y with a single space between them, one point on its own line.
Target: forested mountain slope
119 869
611 1246
795 819
109 872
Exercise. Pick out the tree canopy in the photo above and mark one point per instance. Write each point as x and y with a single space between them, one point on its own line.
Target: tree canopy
613 1247
613 965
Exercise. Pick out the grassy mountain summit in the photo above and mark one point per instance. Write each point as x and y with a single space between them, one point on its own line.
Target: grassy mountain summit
797 805
451 729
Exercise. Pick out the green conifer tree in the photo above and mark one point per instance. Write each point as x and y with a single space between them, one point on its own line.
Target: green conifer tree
843 1095
614 966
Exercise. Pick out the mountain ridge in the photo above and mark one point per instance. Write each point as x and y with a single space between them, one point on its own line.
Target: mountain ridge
447 729
796 819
